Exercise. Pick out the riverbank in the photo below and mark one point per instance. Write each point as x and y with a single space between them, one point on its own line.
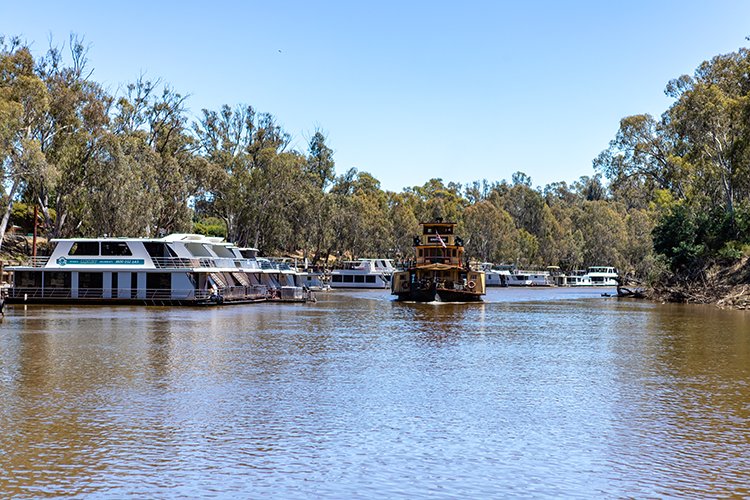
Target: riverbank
726 285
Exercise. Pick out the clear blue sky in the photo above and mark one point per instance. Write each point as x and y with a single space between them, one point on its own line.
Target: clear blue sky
409 91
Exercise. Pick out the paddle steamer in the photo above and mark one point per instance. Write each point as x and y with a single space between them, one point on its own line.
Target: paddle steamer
439 270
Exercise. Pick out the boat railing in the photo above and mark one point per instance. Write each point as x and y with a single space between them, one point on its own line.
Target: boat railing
246 263
38 261
244 292
175 262
98 293
185 262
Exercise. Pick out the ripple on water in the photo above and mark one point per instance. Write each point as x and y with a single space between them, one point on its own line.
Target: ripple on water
539 393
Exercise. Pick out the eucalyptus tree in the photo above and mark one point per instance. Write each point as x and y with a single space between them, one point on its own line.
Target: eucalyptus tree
316 206
404 223
438 200
490 233
181 174
643 157
638 252
711 115
121 189
359 219
604 233
254 186
155 114
224 138
24 102
523 203
71 136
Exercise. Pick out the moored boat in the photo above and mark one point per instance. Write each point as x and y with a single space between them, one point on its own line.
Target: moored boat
363 273
438 270
597 276
179 269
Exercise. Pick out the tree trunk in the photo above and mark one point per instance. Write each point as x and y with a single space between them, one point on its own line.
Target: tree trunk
8 208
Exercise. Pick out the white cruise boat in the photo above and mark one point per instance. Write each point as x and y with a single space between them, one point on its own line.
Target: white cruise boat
508 275
529 278
179 269
363 273
594 276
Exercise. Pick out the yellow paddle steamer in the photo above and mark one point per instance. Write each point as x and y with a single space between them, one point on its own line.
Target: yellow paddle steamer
439 270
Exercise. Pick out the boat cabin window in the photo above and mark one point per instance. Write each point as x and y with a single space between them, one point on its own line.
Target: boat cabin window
438 230
249 253
53 279
159 281
157 249
115 248
27 279
84 248
91 282
370 279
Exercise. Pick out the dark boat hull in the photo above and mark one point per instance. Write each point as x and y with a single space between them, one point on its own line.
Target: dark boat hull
458 296
418 295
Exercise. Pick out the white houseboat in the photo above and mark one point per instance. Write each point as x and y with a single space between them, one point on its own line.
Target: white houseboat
508 275
363 273
179 269
595 276
529 278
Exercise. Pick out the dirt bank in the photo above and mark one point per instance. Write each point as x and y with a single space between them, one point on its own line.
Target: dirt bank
724 284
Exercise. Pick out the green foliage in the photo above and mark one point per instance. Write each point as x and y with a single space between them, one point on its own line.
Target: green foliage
210 226
676 237
134 165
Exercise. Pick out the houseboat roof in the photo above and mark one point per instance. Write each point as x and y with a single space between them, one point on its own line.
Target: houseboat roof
197 238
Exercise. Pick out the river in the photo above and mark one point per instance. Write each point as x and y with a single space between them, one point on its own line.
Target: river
533 393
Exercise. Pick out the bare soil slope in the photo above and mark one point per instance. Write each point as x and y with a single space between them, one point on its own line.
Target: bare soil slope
725 284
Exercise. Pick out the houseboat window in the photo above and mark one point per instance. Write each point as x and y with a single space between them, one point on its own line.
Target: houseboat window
84 248
57 279
348 279
420 252
370 279
27 279
156 249
159 280
359 279
90 284
115 248
336 278
114 281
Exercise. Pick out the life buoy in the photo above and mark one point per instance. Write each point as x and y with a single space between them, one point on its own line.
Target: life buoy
471 285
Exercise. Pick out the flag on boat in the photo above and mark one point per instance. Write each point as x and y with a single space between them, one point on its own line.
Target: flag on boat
440 240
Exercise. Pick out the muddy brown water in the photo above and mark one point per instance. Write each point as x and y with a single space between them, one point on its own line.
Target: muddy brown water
533 393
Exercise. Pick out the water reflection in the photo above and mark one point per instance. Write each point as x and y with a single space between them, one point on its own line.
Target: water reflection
531 393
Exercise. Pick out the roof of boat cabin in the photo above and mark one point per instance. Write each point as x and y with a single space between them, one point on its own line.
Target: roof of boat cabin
177 237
